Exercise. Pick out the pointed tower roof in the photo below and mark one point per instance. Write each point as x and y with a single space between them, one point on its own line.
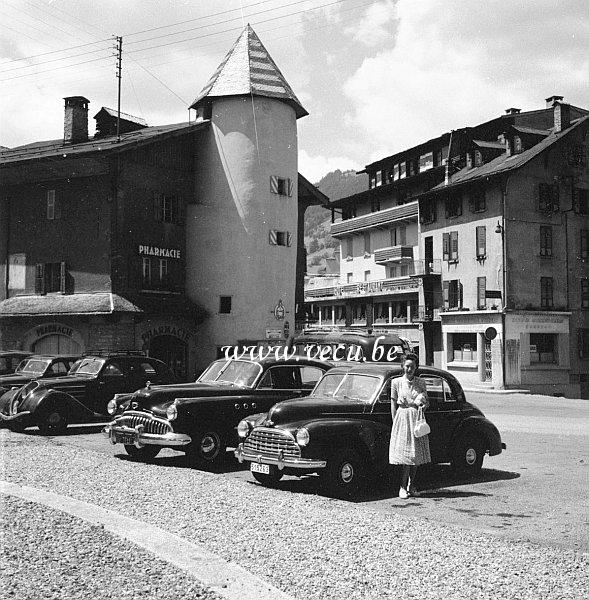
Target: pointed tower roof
248 69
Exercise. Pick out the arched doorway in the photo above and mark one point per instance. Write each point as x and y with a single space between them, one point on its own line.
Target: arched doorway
56 344
172 351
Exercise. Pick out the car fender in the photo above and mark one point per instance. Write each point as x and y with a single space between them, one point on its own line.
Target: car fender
481 426
36 401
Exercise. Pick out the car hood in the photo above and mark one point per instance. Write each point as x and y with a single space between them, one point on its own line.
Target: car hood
16 379
64 382
300 409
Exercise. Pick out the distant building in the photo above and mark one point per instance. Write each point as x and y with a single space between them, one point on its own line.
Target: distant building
475 245
175 239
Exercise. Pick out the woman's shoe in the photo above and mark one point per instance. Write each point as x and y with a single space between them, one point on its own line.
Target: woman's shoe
403 493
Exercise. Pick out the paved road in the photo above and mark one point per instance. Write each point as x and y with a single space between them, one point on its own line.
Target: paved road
535 491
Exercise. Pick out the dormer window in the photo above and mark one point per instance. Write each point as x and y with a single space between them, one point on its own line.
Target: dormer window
517 144
478 158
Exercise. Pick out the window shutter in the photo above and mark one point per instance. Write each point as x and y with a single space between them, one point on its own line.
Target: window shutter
272 237
273 184
555 197
542 201
62 278
40 278
158 206
481 238
289 186
580 333
446 294
446 246
481 289
460 293
447 206
288 238
454 245
471 202
403 234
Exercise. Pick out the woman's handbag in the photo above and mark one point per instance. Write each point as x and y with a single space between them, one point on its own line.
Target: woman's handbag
421 427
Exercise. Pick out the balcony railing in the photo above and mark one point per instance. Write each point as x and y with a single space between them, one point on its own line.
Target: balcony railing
396 285
405 212
429 267
393 254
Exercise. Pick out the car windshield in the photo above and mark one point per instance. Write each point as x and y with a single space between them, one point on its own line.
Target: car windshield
33 366
74 367
231 372
89 366
348 386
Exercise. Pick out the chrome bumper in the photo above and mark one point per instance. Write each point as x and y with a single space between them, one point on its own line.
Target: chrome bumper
140 438
20 415
280 461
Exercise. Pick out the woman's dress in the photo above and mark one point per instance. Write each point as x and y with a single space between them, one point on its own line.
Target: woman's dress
404 447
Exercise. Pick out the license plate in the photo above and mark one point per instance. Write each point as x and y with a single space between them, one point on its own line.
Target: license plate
258 468
124 438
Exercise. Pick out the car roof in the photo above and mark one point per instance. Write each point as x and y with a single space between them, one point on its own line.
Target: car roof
296 360
342 336
54 356
386 369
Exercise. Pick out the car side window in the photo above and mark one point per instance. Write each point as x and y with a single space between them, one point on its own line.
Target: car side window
448 394
435 391
385 394
113 370
309 377
281 378
59 367
148 369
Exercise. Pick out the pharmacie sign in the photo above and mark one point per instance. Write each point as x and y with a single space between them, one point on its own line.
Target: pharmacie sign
159 252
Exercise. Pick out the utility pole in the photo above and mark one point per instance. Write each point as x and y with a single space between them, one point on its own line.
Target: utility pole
119 73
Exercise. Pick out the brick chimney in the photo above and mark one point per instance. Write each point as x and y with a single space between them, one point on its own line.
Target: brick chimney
551 100
75 124
562 116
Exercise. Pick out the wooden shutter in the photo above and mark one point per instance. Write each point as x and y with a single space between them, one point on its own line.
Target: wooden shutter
460 291
447 206
62 278
403 234
272 237
158 207
273 184
446 294
40 278
555 197
481 289
289 186
288 238
542 197
446 246
453 245
481 237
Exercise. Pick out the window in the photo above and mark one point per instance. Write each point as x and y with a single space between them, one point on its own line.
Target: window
583 343
546 292
366 275
396 172
224 305
584 244
168 209
50 277
381 312
378 178
51 212
402 170
548 198
478 200
452 292
367 243
280 185
464 346
545 240
399 236
146 272
543 347
478 158
371 181
581 201
374 204
584 293
163 270
392 272
427 212
350 246
481 242
426 162
348 212
453 206
359 313
481 291
349 277
157 274
517 144
450 246
404 270
280 238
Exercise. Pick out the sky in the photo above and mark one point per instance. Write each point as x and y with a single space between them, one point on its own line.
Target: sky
375 76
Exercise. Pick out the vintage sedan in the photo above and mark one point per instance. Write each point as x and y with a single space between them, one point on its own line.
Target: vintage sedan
10 359
201 418
342 430
37 367
83 394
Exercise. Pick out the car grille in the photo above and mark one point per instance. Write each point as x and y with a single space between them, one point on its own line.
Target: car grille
151 424
264 440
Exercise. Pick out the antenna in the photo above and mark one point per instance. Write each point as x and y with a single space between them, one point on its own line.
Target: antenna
119 74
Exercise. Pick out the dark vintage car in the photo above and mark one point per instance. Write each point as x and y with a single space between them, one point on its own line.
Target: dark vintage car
37 367
10 359
201 418
83 394
342 430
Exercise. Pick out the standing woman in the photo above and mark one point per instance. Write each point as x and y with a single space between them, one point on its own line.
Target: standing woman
408 393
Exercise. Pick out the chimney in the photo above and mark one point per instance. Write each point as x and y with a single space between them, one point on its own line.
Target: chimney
512 111
551 100
75 124
562 116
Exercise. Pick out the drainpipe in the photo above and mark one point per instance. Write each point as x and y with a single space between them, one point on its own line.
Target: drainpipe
6 225
504 272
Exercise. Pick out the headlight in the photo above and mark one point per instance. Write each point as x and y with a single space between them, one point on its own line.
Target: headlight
172 412
302 437
111 407
243 429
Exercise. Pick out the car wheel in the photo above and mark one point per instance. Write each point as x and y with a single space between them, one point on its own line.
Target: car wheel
54 420
142 454
16 427
468 454
271 478
344 473
207 448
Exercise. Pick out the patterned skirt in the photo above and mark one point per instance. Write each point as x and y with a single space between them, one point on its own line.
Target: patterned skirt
405 448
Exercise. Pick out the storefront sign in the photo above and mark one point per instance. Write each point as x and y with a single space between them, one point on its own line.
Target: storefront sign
160 252
273 333
44 330
172 330
374 287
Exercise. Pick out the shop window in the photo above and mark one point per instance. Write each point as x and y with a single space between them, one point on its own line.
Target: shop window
168 209
546 292
548 198
581 201
359 313
584 244
225 305
326 313
453 206
585 293
546 240
281 185
543 348
481 291
340 314
465 347
481 242
50 277
158 274
279 238
477 200
381 312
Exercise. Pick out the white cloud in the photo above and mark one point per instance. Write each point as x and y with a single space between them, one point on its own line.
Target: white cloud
459 63
315 167
372 29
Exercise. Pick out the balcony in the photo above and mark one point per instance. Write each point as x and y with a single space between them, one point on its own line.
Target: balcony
430 267
393 254
396 214
396 285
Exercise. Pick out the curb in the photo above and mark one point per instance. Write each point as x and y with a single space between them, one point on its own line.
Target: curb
225 578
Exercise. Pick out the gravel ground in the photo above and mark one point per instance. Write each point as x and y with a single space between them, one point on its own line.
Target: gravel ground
309 546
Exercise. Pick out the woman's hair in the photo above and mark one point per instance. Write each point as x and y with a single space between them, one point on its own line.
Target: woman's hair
412 356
